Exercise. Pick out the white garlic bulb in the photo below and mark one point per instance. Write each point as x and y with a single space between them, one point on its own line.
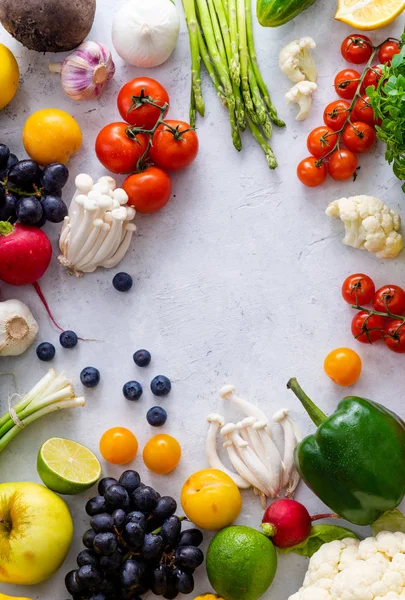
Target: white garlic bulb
18 328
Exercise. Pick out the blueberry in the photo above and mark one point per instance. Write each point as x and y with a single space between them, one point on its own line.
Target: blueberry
68 339
54 177
29 210
54 208
90 377
46 351
122 282
142 358
156 416
132 390
160 385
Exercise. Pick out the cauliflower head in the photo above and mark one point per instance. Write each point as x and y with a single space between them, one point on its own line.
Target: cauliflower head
373 569
296 61
369 225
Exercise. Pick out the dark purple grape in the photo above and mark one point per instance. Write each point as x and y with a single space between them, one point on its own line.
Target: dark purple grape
171 591
88 538
54 177
8 205
119 516
109 588
171 530
12 160
41 221
137 516
190 537
189 557
96 506
153 546
104 483
145 498
131 573
111 564
184 582
134 535
159 579
98 596
105 543
165 507
89 577
54 208
29 210
73 585
4 155
102 522
117 496
87 557
25 174
130 480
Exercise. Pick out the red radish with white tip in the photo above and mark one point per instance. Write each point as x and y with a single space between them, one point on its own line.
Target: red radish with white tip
288 523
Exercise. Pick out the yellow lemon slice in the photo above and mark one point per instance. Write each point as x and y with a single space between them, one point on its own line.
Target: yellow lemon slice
369 14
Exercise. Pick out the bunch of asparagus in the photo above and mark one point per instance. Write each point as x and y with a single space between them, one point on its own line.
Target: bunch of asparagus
221 34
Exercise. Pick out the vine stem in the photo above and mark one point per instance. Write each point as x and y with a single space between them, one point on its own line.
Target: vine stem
385 315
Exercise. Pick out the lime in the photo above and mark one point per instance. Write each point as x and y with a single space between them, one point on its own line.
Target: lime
241 563
67 467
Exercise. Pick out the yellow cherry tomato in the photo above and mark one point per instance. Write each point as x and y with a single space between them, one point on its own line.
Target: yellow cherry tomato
51 135
211 499
343 366
118 445
162 454
207 596
9 76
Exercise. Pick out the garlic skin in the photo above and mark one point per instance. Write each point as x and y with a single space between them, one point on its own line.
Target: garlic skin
145 32
18 328
86 71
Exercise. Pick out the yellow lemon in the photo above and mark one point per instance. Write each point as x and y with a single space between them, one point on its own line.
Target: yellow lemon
369 15
51 135
9 76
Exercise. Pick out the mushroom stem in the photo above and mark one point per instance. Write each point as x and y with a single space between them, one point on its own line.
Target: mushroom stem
215 423
240 467
88 265
290 442
122 250
227 392
90 207
272 455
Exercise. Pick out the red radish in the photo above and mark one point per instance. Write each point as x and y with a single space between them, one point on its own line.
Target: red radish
288 522
25 253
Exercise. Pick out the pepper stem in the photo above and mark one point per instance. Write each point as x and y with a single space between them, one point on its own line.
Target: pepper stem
315 413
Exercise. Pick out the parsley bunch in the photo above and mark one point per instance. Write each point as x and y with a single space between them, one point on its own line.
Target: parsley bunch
388 103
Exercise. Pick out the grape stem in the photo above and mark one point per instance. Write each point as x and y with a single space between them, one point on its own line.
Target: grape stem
159 529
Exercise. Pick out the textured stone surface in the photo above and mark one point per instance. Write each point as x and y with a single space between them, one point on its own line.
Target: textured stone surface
236 281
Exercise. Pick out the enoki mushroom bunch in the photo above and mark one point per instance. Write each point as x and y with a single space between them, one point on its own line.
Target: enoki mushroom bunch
97 231
252 451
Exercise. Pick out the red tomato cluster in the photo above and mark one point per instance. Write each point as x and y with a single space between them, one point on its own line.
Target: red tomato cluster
349 122
384 320
145 145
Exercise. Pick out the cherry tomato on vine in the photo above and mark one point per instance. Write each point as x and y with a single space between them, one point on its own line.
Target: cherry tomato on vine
356 48
321 141
174 146
359 137
372 77
390 298
149 190
343 366
367 328
346 83
310 173
394 337
387 51
162 454
144 115
363 112
118 445
116 151
335 114
358 289
342 164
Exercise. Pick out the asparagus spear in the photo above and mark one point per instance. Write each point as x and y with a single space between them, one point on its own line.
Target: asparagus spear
234 65
261 109
243 57
271 159
191 20
210 69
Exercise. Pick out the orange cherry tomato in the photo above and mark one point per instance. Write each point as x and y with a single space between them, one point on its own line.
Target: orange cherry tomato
162 454
359 137
346 83
149 190
363 112
310 173
342 164
321 141
343 366
118 446
335 114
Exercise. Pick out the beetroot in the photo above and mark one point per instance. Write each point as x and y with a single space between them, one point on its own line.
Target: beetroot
25 253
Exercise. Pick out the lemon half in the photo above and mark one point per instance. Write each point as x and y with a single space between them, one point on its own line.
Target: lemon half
369 14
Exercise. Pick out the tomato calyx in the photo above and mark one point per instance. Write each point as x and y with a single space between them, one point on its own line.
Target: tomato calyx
365 330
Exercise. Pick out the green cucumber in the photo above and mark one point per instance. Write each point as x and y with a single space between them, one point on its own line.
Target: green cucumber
273 13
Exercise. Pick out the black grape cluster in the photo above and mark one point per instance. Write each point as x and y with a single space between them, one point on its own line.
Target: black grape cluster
135 544
29 194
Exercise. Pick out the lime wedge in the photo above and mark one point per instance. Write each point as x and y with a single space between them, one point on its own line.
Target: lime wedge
67 467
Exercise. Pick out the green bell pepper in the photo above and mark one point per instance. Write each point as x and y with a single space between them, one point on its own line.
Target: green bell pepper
355 462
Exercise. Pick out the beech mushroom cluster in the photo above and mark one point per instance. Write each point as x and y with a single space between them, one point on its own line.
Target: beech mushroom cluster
97 231
252 451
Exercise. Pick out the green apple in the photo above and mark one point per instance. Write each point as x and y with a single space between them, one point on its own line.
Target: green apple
36 531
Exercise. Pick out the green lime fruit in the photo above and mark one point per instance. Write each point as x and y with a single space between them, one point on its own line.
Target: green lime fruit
241 563
67 467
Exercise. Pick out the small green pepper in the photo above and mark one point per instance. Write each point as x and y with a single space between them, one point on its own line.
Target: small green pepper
355 462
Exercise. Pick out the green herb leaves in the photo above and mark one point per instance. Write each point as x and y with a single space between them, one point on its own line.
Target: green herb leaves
320 534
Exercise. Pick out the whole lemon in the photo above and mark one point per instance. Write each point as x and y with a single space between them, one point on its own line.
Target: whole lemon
211 499
9 76
51 135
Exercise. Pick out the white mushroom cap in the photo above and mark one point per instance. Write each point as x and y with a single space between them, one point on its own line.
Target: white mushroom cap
84 183
108 182
226 390
246 422
280 415
228 428
121 196
90 205
216 418
94 194
260 425
131 212
105 202
80 199
119 214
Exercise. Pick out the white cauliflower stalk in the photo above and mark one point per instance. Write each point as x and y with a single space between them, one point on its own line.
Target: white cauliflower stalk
373 569
296 61
369 225
301 94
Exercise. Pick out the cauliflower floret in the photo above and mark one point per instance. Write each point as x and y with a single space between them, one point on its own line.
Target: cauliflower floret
369 224
301 94
296 61
311 594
